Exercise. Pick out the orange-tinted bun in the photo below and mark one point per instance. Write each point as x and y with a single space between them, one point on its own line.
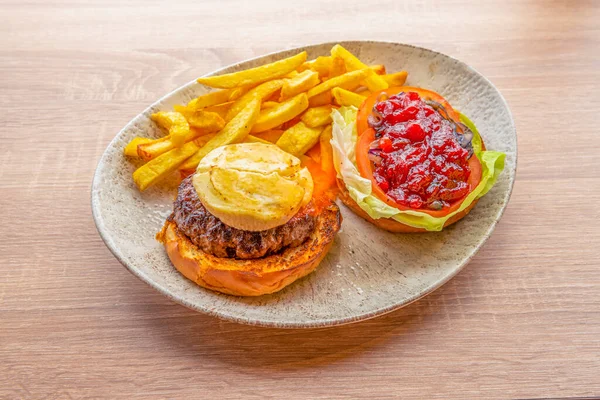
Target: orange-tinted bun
387 223
252 277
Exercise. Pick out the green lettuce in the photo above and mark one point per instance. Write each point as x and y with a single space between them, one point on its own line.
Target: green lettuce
344 144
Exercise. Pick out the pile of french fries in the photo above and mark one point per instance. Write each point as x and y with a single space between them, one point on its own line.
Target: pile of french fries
287 102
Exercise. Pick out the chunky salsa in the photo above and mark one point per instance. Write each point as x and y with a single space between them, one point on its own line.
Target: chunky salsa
420 154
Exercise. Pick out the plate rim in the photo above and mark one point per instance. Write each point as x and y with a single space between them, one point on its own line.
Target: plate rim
322 323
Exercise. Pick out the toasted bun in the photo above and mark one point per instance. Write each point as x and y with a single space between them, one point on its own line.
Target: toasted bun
251 277
387 223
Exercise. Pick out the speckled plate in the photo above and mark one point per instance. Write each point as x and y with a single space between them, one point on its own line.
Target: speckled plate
368 272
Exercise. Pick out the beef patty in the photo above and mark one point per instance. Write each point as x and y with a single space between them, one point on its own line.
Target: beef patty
212 236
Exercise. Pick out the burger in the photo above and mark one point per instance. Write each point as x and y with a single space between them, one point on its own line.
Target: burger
248 222
407 161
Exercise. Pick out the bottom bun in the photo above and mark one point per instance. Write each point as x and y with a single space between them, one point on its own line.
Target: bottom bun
390 224
252 277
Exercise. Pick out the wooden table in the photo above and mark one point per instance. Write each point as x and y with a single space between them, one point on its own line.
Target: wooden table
521 321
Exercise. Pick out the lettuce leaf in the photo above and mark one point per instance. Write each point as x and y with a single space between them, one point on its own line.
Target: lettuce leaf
344 144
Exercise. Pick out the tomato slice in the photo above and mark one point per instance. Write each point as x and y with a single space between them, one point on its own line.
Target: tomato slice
365 168
367 106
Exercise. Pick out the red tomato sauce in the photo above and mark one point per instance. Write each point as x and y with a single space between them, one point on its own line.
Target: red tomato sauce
418 159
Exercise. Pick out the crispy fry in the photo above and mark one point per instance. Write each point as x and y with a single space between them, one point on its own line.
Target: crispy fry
255 139
379 69
322 65
337 67
235 131
275 116
175 123
326 150
268 104
216 97
291 74
131 148
181 109
298 139
271 136
300 83
347 98
374 82
154 148
317 116
220 109
321 99
261 92
163 165
206 121
256 75
346 79
396 79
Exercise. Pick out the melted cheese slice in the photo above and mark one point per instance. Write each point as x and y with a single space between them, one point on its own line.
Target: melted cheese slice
252 186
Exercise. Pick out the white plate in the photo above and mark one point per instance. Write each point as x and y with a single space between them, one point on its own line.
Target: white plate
368 272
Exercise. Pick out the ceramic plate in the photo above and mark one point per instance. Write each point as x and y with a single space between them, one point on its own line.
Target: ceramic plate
368 272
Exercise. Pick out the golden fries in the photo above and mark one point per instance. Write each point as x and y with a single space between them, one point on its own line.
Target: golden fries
175 123
154 148
395 79
322 99
298 84
206 121
261 92
131 149
287 103
346 79
233 132
374 82
275 116
163 165
317 116
322 65
256 75
298 139
347 98
271 136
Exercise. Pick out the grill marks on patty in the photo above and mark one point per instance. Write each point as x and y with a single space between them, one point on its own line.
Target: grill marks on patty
212 236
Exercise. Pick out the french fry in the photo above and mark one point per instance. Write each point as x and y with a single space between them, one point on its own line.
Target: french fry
221 109
298 139
163 165
235 131
150 150
379 69
317 116
255 139
175 123
300 83
216 97
291 74
206 121
321 99
268 104
347 98
131 148
275 116
395 79
326 150
254 76
271 136
374 82
321 64
261 92
348 78
338 67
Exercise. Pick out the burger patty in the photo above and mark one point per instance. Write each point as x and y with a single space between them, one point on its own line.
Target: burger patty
212 236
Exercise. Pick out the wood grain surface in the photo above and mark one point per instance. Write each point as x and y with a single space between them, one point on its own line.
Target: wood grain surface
521 321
